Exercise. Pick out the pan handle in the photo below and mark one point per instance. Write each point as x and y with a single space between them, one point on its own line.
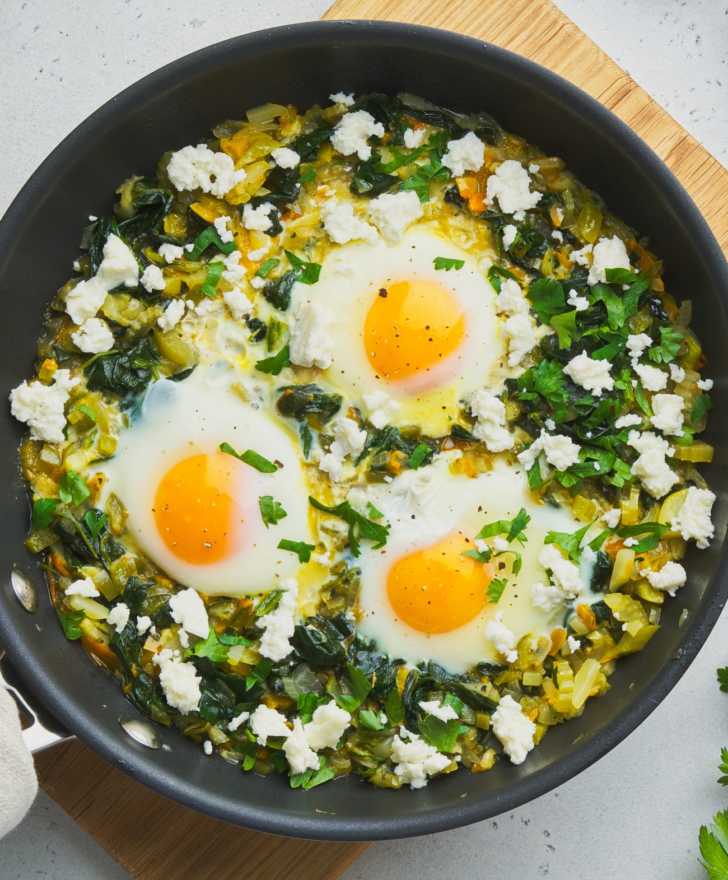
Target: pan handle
40 730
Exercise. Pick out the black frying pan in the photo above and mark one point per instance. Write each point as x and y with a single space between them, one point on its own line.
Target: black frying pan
302 64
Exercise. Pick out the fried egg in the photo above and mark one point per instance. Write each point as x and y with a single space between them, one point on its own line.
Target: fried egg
424 337
421 598
195 510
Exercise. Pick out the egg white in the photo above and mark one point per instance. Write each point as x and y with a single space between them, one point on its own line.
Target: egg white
422 507
180 419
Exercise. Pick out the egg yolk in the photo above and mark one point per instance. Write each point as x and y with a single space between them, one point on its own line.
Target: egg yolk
438 589
194 510
411 327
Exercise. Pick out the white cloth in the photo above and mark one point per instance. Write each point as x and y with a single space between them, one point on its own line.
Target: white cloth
18 782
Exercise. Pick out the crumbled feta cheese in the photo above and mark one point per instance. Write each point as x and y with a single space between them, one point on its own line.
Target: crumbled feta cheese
93 336
668 413
557 236
171 252
352 133
631 542
414 137
612 517
583 256
669 578
580 303
265 723
677 374
521 332
83 587
415 760
118 616
278 626
285 157
299 754
509 236
342 98
119 265
76 266
704 384
392 213
504 640
510 185
41 407
652 378
326 726
237 302
464 154
311 341
628 421
206 307
143 623
180 681
381 407
500 544
534 167
342 225
561 452
85 299
188 610
592 375
199 168
549 424
513 728
238 721
255 256
650 467
439 710
207 747
572 644
234 271
564 574
172 315
490 414
349 439
609 253
152 278
511 299
637 343
222 227
258 218
693 518
256 282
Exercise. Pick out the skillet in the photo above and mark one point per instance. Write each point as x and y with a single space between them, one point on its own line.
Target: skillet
302 64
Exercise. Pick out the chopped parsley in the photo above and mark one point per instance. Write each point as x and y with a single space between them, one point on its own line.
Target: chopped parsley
300 548
73 488
266 267
446 263
306 273
359 526
495 589
252 458
513 529
271 511
274 364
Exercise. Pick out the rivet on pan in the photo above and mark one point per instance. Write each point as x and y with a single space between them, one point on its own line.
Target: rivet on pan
24 591
141 732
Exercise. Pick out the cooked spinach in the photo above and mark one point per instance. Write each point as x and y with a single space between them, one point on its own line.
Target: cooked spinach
301 401
125 372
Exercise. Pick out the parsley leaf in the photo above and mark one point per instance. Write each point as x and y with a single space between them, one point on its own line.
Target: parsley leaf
271 511
204 240
565 326
359 525
370 720
274 364
359 685
300 548
513 529
266 267
214 274
570 542
311 778
419 455
44 509
496 274
268 603
443 735
216 647
252 458
306 273
495 589
671 340
653 533
722 674
714 846
723 766
73 488
446 264
547 298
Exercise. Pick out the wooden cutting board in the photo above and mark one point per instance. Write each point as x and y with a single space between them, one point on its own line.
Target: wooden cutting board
157 839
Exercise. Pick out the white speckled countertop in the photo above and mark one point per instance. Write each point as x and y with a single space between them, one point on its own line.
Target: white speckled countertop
635 814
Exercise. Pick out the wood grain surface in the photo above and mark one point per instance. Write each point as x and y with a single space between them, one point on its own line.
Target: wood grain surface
157 839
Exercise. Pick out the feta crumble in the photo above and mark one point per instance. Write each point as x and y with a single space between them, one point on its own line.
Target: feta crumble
41 407
82 587
511 299
180 681
628 421
188 610
704 384
299 754
650 467
510 185
439 710
118 616
513 728
637 343
222 227
490 415
342 98
237 302
669 578
580 303
152 278
285 157
85 299
348 440
668 413
560 451
238 721
259 218
200 168
119 265
266 723
415 760
93 336
143 624
326 726
612 517
278 626
504 640
172 315
392 213
547 597
311 341
651 378
414 137
609 253
352 133
522 335
509 236
464 154
592 375
693 518
381 408
342 225
583 256
171 252
677 374
564 574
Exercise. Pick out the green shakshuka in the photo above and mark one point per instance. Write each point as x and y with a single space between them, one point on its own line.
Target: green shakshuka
364 440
